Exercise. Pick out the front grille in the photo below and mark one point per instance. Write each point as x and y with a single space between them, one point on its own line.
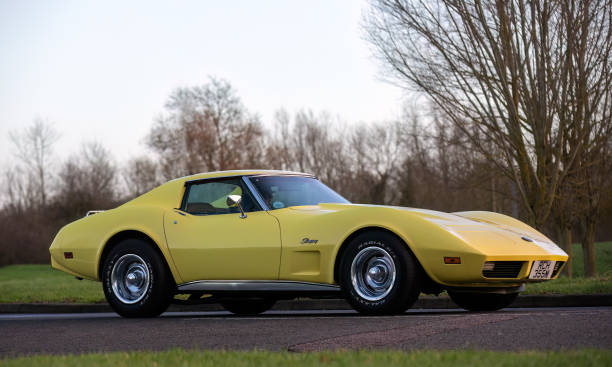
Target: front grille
503 269
558 266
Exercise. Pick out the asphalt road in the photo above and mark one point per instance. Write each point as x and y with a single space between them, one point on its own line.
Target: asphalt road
509 329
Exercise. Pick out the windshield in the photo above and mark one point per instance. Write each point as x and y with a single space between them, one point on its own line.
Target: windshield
283 191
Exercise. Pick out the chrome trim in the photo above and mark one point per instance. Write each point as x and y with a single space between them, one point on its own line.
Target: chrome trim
282 175
234 201
373 273
92 212
255 193
130 278
256 286
195 180
204 179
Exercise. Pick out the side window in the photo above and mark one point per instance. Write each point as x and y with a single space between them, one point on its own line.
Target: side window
210 197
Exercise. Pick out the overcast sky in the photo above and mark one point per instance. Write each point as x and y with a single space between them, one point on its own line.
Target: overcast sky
103 70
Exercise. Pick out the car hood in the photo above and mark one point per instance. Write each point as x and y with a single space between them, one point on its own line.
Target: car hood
483 230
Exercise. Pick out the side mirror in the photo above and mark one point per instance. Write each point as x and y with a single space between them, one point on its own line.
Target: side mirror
234 201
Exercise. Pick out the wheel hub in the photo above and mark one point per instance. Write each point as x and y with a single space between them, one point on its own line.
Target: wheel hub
373 273
377 275
130 278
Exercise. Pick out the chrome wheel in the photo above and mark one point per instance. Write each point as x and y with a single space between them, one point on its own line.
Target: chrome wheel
373 273
130 278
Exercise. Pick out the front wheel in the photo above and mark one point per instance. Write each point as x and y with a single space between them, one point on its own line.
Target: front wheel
482 301
379 275
136 281
248 306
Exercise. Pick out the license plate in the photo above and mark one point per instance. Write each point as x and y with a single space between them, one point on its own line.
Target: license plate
542 270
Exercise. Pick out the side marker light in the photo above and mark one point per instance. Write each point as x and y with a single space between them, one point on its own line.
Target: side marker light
452 260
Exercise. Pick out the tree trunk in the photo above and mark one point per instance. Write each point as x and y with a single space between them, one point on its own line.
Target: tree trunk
493 198
515 211
588 249
565 240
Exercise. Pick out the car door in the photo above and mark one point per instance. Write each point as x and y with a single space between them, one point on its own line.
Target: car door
210 241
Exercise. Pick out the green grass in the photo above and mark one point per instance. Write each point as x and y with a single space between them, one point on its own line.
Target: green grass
603 251
179 357
578 284
564 285
42 284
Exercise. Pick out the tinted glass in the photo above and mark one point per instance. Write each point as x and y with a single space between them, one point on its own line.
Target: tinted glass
283 191
211 197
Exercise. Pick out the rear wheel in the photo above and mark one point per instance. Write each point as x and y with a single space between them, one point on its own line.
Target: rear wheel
250 306
379 275
482 301
136 281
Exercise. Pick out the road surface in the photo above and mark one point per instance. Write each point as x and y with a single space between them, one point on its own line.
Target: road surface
299 331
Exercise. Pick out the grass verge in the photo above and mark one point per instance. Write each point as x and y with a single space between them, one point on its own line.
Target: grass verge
180 357
578 284
42 284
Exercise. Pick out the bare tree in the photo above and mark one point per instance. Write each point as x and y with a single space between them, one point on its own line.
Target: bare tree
140 175
376 151
279 151
595 174
33 148
528 78
441 170
500 67
86 182
18 191
101 171
206 129
311 142
566 216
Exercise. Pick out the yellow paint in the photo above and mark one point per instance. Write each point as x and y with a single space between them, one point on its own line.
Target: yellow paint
224 246
269 245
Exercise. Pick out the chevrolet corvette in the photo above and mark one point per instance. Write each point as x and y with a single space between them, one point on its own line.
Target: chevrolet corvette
246 239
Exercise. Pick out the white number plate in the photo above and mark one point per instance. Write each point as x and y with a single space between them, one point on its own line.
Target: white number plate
542 270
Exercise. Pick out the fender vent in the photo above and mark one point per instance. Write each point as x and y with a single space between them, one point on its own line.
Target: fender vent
502 269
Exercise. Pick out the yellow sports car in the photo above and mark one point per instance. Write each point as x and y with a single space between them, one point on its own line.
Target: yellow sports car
248 238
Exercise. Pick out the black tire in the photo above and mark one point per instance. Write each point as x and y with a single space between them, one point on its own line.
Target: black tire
400 294
482 301
137 257
248 306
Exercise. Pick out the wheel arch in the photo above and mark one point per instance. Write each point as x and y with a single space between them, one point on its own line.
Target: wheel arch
358 232
120 236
